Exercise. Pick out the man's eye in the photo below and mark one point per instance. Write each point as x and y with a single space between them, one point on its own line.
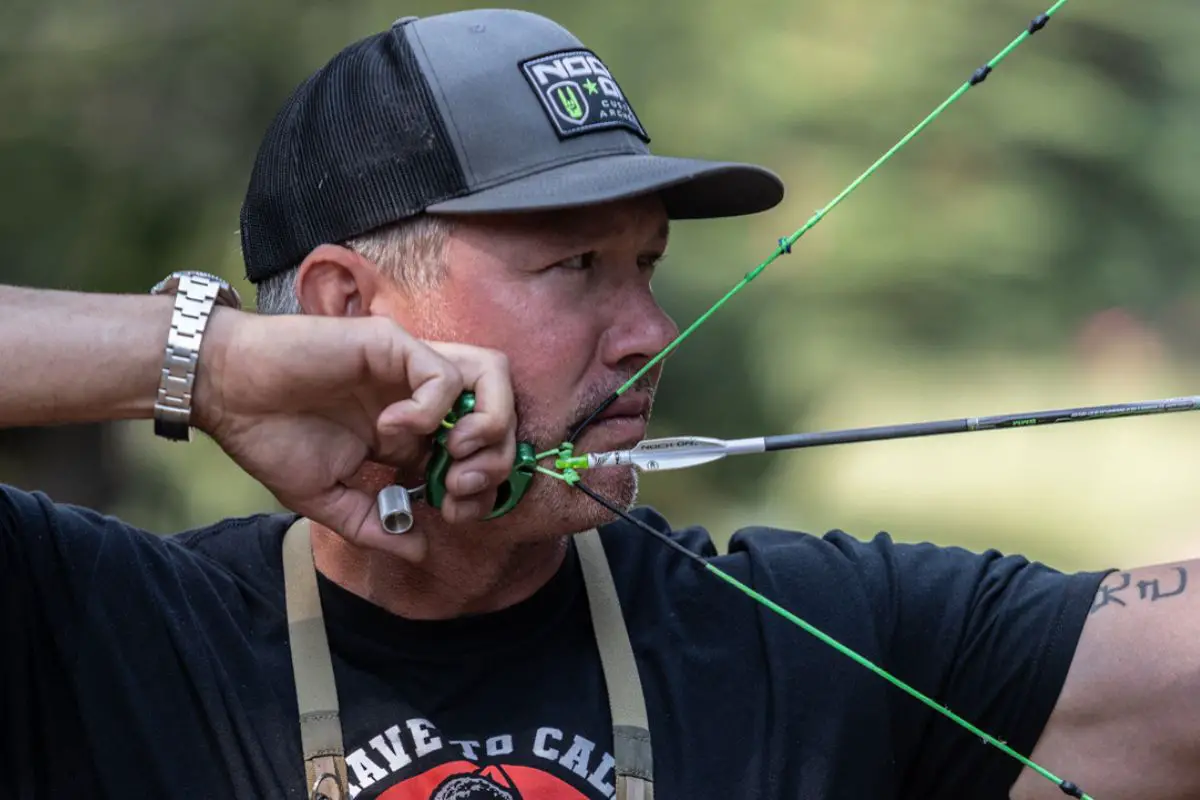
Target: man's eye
650 262
581 261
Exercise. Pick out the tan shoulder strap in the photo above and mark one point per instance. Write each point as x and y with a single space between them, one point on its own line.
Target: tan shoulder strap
316 691
631 728
312 666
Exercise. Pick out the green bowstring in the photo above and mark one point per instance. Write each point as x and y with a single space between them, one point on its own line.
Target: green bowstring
785 244
1067 787
571 477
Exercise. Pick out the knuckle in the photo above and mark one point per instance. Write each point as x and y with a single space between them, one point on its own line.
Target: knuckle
379 330
481 427
454 376
428 417
492 465
507 449
491 427
460 444
500 462
396 448
386 326
498 361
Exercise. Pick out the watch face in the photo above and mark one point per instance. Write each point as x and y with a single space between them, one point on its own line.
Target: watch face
227 295
171 282
167 285
198 274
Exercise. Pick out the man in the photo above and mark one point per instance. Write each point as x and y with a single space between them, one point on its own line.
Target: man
467 202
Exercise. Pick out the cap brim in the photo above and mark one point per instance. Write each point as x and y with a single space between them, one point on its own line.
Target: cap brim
689 188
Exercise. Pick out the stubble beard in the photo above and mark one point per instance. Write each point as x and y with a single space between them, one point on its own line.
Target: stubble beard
551 506
555 505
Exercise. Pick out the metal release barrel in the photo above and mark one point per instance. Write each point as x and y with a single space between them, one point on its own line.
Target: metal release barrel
395 509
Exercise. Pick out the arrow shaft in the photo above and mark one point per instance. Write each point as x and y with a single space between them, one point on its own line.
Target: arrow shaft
656 455
969 424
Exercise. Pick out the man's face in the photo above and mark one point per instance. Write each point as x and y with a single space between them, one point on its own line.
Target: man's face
566 296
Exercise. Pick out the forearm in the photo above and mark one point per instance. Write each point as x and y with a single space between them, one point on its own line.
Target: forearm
1128 721
75 357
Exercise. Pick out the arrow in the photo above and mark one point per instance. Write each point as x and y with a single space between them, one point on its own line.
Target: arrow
681 452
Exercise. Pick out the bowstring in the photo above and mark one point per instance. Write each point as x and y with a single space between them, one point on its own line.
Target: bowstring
571 477
1067 787
785 244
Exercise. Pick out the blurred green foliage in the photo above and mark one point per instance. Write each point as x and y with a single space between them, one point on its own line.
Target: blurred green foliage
1034 248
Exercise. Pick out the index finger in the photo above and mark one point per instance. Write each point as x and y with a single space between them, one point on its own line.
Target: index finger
485 373
435 384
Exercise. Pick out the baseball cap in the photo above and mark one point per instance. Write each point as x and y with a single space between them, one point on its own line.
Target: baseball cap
470 112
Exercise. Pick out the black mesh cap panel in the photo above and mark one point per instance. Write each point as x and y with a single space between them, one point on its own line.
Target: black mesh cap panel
358 145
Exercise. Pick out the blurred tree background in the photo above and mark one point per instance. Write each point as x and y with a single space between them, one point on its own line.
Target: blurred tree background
1034 248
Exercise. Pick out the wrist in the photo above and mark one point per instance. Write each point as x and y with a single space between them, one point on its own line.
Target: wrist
209 393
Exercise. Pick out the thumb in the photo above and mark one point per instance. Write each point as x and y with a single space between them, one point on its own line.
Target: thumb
352 514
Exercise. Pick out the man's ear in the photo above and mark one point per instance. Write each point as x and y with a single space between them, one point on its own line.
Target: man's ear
335 281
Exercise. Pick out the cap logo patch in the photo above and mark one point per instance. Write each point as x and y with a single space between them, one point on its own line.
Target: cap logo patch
579 94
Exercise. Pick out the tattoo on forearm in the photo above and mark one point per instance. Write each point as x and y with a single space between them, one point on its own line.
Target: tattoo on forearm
1107 595
1151 590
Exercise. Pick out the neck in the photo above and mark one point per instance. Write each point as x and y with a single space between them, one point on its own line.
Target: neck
461 574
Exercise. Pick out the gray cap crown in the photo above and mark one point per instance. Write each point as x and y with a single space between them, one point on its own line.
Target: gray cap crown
479 111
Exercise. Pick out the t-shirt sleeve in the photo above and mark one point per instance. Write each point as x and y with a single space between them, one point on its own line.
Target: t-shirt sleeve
70 578
50 555
44 577
112 632
989 636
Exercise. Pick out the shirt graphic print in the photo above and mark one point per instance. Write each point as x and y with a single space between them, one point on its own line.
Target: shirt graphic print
416 761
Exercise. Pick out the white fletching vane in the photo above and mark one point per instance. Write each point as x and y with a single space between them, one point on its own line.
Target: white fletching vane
676 452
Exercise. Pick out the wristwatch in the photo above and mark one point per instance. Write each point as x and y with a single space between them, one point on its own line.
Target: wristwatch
196 294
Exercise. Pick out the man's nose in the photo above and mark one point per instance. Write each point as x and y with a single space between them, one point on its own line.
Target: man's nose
641 329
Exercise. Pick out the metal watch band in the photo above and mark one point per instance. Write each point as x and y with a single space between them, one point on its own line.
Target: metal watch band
194 300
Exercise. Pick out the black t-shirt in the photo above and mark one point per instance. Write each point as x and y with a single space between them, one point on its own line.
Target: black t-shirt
138 666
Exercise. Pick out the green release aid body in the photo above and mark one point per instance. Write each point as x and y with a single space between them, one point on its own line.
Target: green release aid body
509 493
394 502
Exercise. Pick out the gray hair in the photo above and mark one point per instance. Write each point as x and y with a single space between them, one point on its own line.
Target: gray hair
410 252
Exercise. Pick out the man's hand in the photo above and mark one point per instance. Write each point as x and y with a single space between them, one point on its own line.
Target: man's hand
302 403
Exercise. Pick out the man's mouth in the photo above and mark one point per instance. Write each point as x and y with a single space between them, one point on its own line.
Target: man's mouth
623 423
627 406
